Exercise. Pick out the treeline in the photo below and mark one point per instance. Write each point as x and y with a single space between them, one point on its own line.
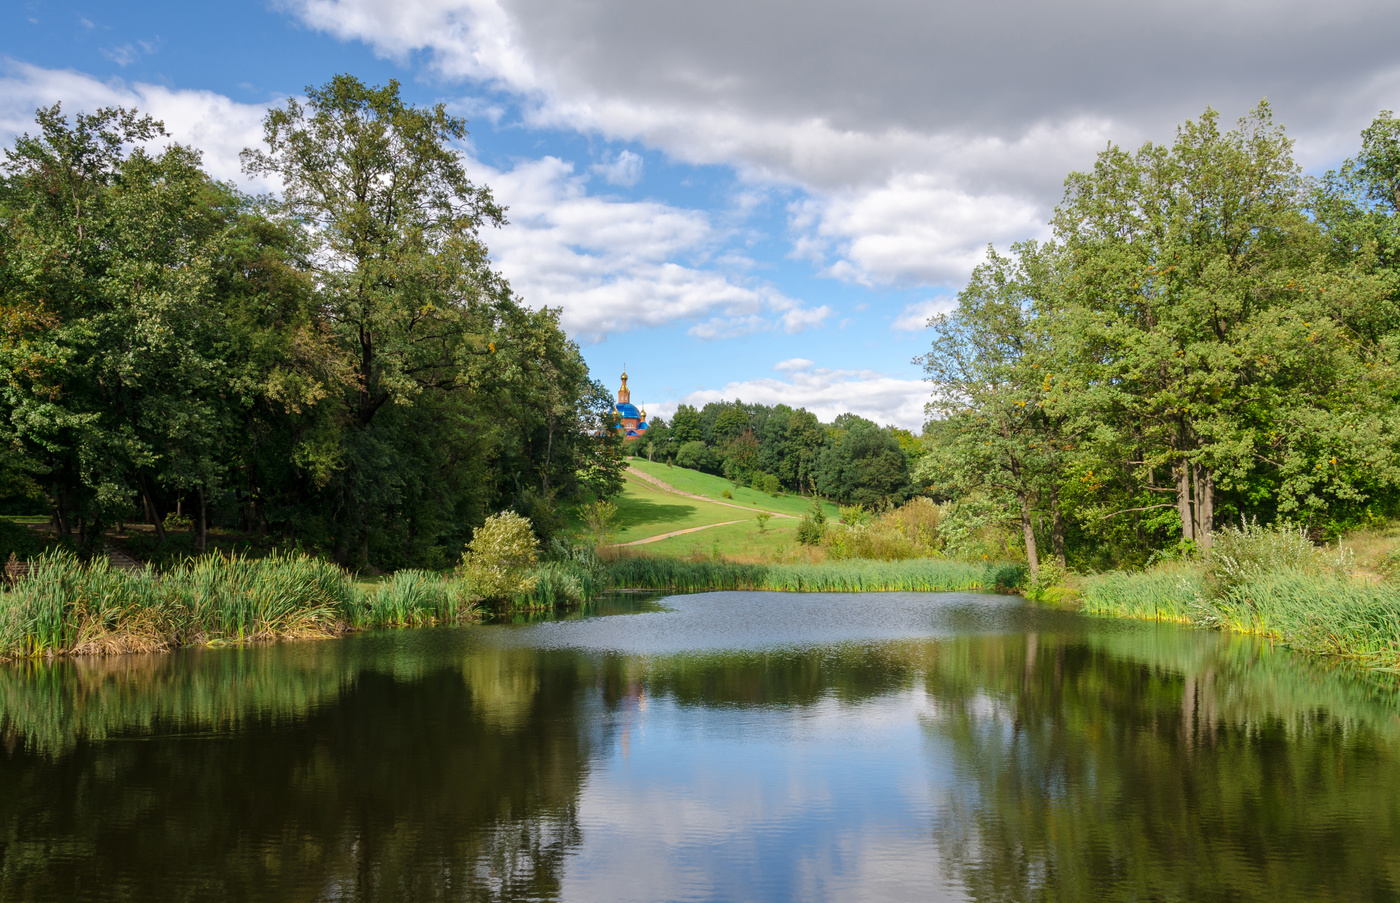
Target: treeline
779 448
1211 336
339 365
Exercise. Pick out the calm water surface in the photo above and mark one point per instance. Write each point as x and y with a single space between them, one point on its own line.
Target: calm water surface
725 746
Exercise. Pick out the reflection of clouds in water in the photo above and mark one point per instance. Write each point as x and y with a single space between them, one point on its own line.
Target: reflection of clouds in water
750 620
815 802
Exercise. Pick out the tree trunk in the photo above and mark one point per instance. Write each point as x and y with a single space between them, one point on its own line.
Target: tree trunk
1027 529
1057 528
1205 506
60 516
1183 501
148 495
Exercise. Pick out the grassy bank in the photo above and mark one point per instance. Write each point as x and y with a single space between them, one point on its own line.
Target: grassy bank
1273 583
64 606
917 575
67 607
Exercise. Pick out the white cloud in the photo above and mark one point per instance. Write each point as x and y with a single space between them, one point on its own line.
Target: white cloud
214 124
625 169
915 316
613 265
825 392
917 140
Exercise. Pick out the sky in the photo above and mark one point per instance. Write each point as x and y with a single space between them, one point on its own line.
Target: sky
753 199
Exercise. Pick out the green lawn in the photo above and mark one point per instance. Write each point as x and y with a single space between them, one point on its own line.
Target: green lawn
643 511
709 486
741 540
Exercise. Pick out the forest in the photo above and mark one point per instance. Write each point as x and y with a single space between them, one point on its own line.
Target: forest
1210 338
778 448
338 366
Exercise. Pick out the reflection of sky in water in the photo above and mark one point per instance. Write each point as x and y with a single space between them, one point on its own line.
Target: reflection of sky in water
736 746
828 802
745 620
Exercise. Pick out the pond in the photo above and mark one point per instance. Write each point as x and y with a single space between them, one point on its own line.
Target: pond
722 746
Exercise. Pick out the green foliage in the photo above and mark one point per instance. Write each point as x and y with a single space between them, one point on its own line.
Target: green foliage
1244 554
497 562
910 531
19 541
921 575
339 366
812 528
601 521
763 517
1211 336
696 456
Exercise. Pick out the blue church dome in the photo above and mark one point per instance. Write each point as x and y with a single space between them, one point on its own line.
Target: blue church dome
626 410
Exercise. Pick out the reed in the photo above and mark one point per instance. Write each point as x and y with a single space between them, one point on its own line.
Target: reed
1271 582
849 576
66 606
1171 593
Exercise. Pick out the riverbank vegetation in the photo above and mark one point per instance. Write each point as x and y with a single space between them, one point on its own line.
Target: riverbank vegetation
1210 336
1272 582
338 368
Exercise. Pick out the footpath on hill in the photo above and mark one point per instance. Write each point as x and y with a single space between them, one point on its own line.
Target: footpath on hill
667 487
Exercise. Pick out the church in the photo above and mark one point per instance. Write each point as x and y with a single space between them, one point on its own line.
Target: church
630 421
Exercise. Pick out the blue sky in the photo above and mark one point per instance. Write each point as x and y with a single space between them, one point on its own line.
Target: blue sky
738 199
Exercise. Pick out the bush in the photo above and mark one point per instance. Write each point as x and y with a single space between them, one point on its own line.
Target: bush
19 541
696 455
1240 555
766 482
812 527
497 562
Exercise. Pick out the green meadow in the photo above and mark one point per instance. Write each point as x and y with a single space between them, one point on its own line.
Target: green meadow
714 487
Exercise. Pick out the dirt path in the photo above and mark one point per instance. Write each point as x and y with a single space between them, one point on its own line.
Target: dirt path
659 537
667 487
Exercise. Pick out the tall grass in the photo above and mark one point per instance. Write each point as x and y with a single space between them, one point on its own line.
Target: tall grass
1268 581
65 606
916 575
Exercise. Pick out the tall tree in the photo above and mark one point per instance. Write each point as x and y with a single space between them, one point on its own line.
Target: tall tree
994 377
1208 330
111 368
406 283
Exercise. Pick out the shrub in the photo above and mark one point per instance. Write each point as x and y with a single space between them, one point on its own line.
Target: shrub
19 541
812 527
1240 555
766 482
497 562
696 455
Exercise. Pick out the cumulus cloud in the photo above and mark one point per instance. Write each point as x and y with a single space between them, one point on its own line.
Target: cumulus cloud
625 169
211 122
617 265
824 391
920 131
915 316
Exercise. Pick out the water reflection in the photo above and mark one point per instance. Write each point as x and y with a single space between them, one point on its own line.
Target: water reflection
731 746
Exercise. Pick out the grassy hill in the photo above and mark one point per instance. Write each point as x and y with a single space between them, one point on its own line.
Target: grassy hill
646 510
713 487
643 510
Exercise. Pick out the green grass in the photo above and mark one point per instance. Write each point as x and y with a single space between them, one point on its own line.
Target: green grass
741 540
65 606
713 487
915 575
1319 613
644 511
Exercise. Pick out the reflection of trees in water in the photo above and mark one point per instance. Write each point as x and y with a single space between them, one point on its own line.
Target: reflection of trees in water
1162 765
447 781
1114 764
